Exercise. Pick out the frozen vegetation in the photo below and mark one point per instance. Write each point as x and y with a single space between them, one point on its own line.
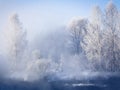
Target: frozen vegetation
84 48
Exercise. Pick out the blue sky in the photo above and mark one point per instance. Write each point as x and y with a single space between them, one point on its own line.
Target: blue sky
45 15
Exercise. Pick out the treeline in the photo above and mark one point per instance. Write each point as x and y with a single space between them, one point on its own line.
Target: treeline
98 37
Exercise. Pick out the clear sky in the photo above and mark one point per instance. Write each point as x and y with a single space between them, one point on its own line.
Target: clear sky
44 15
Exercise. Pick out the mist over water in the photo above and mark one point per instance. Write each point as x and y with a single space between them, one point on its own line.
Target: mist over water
48 56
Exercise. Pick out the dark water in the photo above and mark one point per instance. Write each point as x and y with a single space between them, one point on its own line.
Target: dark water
111 83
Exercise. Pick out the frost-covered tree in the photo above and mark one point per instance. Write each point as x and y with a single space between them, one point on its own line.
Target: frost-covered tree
112 37
38 68
77 28
16 39
92 42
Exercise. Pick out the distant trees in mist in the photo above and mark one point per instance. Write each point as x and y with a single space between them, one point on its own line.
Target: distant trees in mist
16 37
15 40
